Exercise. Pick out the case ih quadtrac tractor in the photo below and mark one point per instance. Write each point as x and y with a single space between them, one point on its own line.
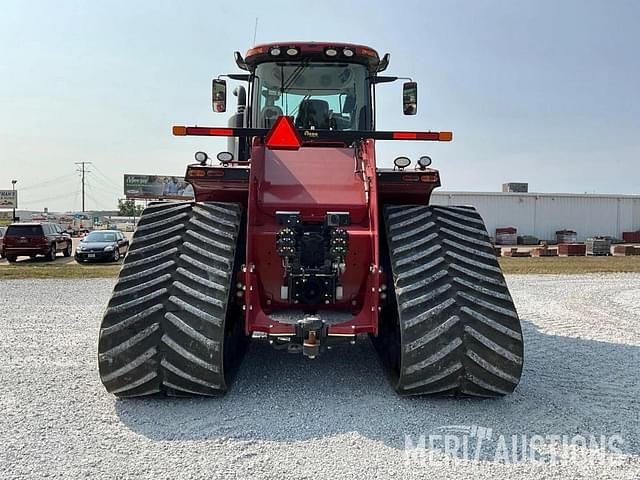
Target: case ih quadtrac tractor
295 235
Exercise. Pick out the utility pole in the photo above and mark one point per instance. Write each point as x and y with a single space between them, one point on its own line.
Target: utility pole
82 169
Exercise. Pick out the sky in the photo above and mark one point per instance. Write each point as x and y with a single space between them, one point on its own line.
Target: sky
544 92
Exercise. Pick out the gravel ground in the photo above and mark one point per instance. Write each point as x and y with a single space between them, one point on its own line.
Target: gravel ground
335 417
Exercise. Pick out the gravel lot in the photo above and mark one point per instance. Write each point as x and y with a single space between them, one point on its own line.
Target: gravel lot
335 417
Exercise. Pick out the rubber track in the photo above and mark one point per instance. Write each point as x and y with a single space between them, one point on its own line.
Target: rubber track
163 329
459 331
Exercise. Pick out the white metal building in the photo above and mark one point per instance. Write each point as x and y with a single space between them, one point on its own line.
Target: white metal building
542 214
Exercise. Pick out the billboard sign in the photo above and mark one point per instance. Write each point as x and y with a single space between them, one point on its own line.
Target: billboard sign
157 187
8 199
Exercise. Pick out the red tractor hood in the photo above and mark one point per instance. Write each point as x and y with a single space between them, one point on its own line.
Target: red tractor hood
312 180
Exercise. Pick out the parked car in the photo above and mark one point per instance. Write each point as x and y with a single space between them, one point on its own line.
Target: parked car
102 245
2 232
32 239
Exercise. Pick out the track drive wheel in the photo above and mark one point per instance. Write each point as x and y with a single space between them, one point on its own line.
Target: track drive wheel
451 327
169 327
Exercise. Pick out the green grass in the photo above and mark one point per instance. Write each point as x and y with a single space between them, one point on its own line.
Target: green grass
59 270
569 265
549 265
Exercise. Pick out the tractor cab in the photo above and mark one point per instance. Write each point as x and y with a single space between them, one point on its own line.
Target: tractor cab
320 86
317 95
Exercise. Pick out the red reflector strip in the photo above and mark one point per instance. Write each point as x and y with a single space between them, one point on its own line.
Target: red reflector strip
215 173
214 132
410 178
415 136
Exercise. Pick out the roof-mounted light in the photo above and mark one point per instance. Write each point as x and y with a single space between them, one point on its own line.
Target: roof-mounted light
367 52
331 52
275 51
292 51
347 52
256 51
402 162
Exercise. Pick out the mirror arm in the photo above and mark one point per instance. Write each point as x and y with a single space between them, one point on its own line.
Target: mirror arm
381 79
243 77
384 79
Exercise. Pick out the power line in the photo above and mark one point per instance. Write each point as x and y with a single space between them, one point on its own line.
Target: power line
47 199
102 184
115 184
96 202
75 198
36 185
99 189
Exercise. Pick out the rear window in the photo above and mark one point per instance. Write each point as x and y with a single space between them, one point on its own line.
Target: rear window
25 231
101 237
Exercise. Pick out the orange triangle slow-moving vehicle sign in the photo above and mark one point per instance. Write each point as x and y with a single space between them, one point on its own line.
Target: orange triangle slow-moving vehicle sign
283 135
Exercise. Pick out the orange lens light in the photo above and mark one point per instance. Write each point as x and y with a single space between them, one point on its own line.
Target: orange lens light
445 136
255 51
428 178
196 172
179 131
368 52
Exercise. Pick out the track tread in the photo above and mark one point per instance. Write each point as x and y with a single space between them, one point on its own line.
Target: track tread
459 332
164 328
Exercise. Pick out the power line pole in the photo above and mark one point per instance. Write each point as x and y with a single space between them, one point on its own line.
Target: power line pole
83 170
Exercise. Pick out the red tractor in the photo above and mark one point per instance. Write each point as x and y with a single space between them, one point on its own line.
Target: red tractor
295 235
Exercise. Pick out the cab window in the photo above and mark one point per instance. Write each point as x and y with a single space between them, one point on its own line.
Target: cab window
317 95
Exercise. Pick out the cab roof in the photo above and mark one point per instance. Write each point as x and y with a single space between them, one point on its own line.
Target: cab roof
296 51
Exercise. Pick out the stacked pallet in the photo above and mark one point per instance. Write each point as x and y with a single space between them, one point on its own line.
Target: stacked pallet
566 236
631 237
625 250
544 251
514 252
507 236
528 240
572 249
598 246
